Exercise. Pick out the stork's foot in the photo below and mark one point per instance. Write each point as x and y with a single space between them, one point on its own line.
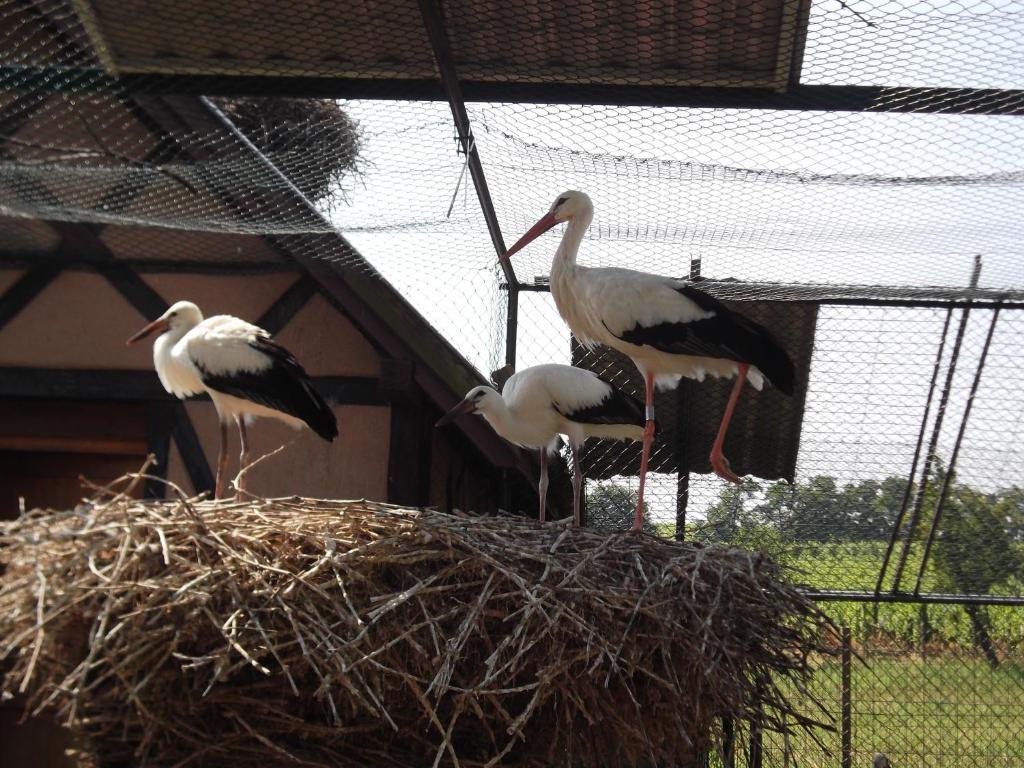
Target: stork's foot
720 465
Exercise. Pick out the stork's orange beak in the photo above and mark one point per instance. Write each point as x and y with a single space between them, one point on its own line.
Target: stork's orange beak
538 229
464 406
160 324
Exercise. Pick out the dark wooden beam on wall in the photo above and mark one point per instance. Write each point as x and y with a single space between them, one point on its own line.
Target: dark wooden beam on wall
81 384
14 116
288 305
25 289
85 239
129 385
191 450
409 442
160 417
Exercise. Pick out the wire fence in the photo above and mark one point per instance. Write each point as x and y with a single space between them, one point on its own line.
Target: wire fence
838 166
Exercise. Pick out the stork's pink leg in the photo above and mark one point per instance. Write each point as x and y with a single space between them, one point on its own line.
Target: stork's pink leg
222 461
718 462
542 486
243 458
638 521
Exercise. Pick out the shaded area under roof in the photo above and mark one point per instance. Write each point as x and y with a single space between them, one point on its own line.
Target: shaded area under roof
582 41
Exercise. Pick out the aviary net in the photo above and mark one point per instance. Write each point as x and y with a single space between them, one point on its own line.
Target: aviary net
853 172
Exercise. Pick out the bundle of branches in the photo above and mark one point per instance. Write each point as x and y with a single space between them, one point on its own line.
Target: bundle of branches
306 632
312 141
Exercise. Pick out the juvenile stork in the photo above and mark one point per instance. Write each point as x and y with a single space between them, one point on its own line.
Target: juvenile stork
666 326
538 404
243 370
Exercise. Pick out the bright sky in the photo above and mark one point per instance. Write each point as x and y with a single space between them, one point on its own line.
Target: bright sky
819 211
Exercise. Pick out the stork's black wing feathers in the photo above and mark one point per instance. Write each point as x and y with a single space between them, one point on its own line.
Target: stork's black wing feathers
616 408
726 334
285 387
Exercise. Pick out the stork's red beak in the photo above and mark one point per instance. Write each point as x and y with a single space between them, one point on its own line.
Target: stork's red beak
464 406
538 229
160 324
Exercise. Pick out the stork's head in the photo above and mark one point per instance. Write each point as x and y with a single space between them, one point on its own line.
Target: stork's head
180 316
567 206
480 400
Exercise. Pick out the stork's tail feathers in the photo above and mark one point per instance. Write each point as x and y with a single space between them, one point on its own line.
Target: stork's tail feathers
284 387
777 366
318 415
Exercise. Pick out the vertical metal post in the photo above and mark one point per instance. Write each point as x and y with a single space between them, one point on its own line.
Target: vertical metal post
754 758
433 21
682 465
847 700
512 324
930 456
948 479
682 499
898 524
728 743
159 425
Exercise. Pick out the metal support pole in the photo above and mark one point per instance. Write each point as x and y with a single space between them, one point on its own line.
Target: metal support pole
898 524
936 430
512 324
756 751
682 499
948 479
847 701
728 743
433 20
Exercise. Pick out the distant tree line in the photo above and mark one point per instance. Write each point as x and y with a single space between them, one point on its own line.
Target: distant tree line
820 509
977 549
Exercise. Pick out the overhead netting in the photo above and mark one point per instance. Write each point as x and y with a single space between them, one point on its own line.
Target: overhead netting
852 171
895 163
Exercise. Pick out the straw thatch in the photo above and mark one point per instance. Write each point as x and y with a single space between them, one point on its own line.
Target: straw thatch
305 632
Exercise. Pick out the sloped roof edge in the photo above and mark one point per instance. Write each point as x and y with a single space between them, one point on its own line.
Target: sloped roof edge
362 293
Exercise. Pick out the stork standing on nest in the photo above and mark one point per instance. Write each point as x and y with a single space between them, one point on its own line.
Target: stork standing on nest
538 404
243 370
666 326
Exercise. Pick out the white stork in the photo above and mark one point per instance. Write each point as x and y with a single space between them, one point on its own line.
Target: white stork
666 326
243 370
538 404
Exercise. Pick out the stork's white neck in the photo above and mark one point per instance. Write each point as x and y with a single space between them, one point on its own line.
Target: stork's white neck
565 256
163 347
565 275
499 416
167 340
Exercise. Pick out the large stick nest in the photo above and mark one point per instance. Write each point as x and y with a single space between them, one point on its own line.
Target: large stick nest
307 632
313 141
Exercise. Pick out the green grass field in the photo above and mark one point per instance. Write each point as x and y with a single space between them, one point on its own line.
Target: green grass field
855 565
924 694
944 711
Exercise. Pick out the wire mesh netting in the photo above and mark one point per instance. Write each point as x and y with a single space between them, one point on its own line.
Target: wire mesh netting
840 167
